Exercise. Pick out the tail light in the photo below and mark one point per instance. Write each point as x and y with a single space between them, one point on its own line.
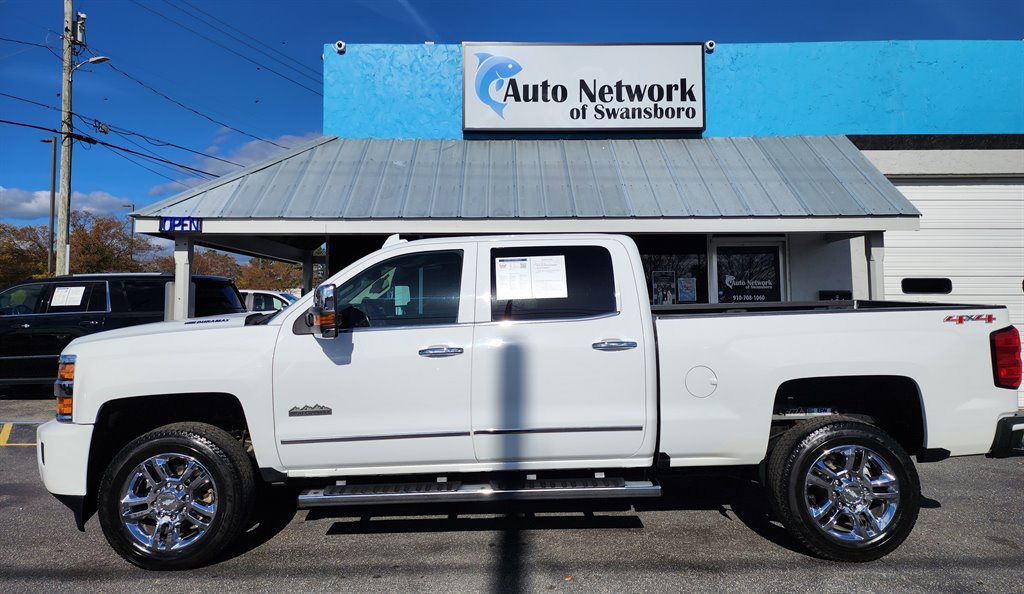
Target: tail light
1006 364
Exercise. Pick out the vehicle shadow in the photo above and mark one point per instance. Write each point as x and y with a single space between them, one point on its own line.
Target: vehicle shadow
275 509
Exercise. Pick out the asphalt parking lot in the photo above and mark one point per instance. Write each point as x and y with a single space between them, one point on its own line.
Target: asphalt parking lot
710 533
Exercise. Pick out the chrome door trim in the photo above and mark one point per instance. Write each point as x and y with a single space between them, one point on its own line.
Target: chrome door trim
375 437
558 430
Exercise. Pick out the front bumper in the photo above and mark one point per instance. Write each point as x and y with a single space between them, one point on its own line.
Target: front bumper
62 453
1009 439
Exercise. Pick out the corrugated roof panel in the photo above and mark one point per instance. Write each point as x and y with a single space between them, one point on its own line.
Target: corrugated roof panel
696 200
634 179
613 199
335 197
422 180
501 203
394 183
447 198
798 178
368 180
315 181
529 180
785 202
742 179
273 199
476 181
582 178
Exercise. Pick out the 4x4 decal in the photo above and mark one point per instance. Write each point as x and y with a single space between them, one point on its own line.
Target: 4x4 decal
987 318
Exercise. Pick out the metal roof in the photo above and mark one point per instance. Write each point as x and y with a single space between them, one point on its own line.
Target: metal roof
368 179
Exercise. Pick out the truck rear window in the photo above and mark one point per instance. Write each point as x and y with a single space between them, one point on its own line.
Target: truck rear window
548 283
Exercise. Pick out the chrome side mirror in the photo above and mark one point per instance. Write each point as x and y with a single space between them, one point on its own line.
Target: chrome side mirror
323 314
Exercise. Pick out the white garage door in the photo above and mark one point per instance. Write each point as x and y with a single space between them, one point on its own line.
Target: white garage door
971 243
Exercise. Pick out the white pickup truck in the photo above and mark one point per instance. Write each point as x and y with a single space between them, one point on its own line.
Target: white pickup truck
529 367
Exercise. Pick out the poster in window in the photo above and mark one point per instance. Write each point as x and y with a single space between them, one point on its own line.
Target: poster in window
663 287
749 274
687 289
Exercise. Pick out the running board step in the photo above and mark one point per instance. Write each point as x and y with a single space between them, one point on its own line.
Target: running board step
455 491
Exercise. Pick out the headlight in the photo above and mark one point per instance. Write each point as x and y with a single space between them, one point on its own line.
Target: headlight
63 388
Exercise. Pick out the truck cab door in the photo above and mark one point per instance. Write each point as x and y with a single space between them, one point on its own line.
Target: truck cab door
560 368
393 389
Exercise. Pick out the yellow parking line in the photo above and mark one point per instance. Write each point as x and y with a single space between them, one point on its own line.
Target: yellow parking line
5 435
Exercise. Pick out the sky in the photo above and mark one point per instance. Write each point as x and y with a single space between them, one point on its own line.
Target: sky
231 82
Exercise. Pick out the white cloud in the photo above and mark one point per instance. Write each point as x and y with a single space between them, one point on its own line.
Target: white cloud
16 203
246 154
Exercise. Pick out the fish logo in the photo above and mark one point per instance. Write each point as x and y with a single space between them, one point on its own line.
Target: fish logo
492 72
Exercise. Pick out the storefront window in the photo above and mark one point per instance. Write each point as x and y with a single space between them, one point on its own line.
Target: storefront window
748 273
676 268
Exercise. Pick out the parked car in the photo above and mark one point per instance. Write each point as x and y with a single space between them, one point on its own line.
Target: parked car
38 318
495 368
263 300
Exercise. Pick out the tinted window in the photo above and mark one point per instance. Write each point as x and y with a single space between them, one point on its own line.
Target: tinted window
942 286
215 298
145 296
411 290
71 297
582 273
21 300
265 302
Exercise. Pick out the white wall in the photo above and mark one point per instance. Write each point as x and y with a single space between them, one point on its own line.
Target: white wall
818 265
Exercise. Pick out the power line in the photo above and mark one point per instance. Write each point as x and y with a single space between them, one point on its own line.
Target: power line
92 140
150 139
24 42
195 111
219 44
153 171
241 32
259 47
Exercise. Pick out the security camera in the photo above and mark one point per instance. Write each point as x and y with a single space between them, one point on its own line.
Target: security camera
709 46
339 46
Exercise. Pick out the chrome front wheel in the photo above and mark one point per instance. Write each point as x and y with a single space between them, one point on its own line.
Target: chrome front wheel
177 496
168 502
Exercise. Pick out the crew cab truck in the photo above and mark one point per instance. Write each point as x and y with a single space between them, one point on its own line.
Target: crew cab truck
529 367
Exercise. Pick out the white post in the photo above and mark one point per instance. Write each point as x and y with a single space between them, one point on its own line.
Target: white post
874 245
182 276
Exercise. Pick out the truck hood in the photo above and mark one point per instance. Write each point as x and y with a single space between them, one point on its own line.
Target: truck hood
222 321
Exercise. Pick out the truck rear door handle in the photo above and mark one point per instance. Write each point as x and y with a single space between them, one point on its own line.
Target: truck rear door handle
24 326
614 345
88 323
441 351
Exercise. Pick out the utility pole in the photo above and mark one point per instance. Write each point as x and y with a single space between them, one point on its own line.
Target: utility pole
53 189
131 240
64 206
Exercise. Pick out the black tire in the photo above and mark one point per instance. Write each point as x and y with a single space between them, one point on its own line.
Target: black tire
189 517
865 490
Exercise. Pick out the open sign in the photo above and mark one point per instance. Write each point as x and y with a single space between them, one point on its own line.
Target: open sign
181 224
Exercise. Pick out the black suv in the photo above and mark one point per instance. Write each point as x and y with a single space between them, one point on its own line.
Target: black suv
38 318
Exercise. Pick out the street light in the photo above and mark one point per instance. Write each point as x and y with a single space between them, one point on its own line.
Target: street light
92 60
131 242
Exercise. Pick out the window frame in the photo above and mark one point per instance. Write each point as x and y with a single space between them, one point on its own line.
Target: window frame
467 254
486 266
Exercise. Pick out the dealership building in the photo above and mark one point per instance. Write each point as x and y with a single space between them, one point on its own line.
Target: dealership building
745 172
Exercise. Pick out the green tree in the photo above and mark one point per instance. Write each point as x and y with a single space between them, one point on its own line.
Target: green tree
22 252
105 244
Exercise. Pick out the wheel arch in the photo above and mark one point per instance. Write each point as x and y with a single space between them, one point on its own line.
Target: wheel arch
120 421
892 403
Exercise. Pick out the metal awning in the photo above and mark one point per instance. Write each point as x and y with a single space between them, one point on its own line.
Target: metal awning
336 186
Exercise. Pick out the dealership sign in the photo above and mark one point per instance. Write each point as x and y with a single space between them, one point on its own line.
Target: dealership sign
540 87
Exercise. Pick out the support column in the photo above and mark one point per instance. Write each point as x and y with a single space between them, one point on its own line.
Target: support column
182 277
874 246
307 272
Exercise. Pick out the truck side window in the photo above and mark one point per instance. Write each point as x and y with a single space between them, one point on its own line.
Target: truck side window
411 290
588 276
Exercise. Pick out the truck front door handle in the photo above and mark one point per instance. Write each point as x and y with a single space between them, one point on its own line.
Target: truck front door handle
614 345
24 326
441 351
88 323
